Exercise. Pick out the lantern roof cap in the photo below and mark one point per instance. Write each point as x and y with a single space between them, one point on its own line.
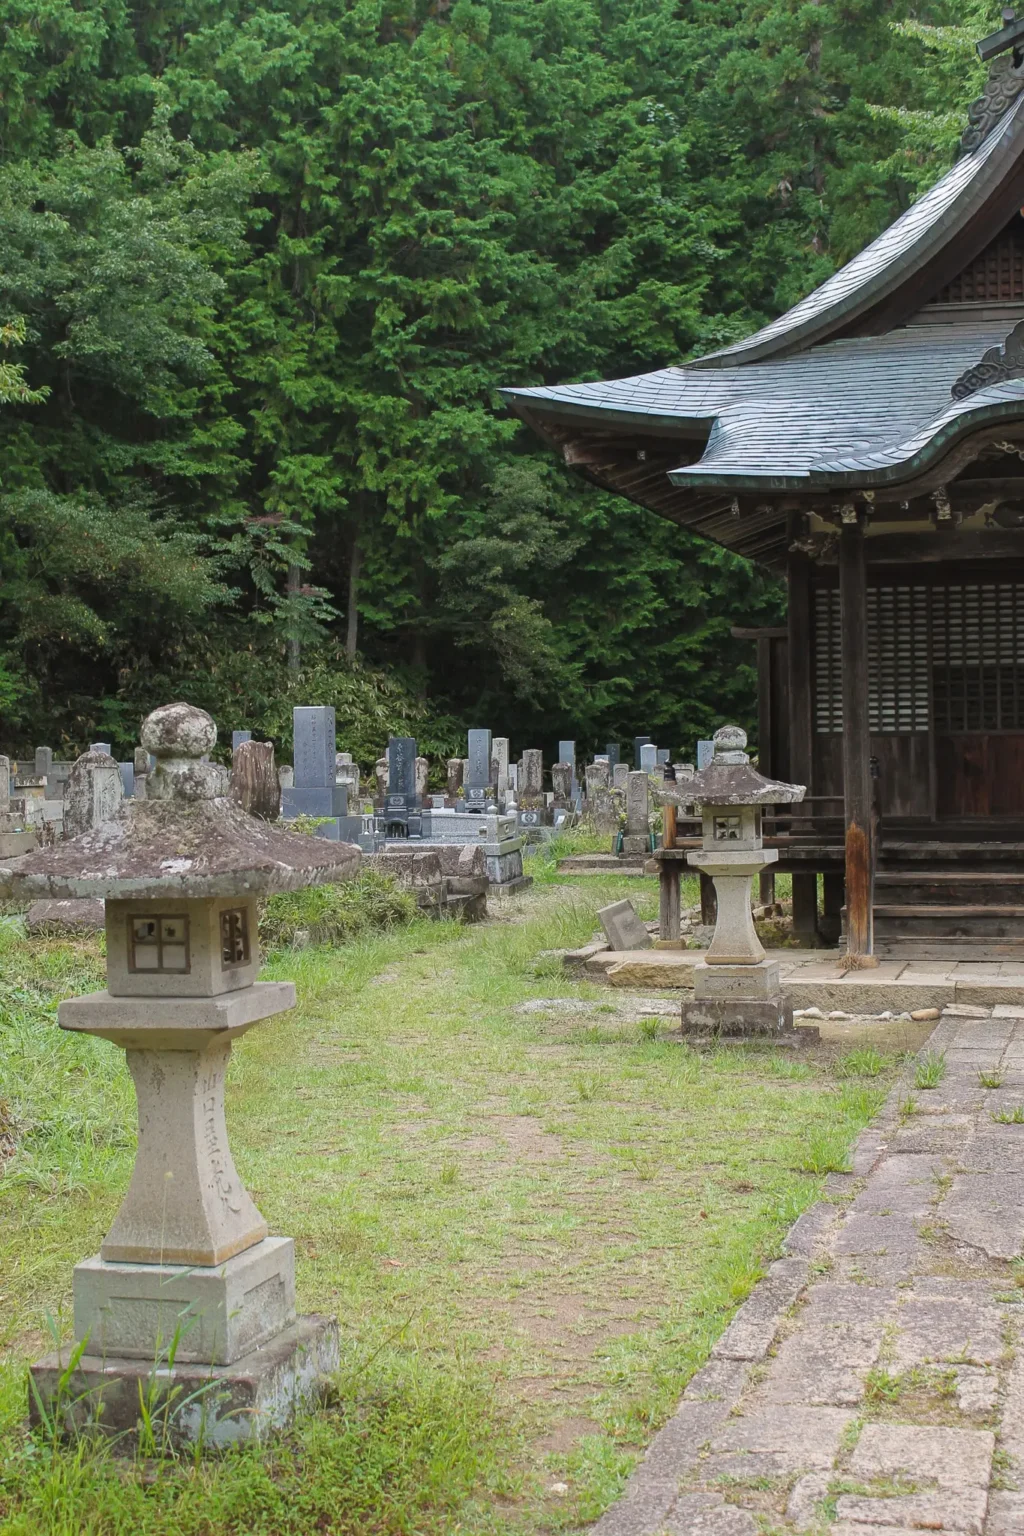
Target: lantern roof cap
729 778
187 839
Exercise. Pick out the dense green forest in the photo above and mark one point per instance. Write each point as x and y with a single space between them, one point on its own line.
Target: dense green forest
265 264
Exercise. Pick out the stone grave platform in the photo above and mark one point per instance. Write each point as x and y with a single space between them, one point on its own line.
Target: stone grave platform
816 978
602 864
872 1384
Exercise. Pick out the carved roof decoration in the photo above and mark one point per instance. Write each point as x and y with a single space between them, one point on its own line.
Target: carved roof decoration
1004 84
997 365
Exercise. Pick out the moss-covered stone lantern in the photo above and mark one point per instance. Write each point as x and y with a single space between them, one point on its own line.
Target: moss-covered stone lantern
736 989
188 1268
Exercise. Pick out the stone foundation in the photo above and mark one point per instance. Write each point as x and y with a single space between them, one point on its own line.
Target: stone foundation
214 1406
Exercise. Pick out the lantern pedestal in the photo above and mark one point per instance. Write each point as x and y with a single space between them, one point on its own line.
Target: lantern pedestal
737 1000
193 1404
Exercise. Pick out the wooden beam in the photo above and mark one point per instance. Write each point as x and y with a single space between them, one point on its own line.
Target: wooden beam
853 604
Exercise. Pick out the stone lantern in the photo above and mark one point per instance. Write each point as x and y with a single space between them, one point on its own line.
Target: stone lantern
187 1269
736 989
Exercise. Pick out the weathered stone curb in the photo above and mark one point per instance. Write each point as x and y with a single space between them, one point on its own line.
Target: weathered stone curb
652 1492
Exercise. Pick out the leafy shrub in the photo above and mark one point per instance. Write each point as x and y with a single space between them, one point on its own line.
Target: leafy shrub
335 914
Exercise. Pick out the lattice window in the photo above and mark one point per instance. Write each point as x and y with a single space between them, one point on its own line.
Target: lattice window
828 650
977 635
956 650
995 276
897 660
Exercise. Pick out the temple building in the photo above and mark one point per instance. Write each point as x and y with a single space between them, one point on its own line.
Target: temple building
870 445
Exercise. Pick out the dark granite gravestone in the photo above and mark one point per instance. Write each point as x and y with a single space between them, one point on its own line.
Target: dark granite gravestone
476 785
401 805
611 751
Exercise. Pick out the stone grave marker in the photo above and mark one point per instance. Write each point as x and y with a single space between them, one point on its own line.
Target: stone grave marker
476 784
622 927
649 757
636 839
705 755
94 793
454 778
612 752
638 743
313 791
237 737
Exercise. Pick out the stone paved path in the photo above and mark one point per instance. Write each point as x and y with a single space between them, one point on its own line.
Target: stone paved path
873 1382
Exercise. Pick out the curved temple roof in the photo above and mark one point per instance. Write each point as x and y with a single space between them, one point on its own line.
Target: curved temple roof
815 399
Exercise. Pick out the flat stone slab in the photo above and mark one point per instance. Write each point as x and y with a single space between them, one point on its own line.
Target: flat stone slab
85 915
796 1439
953 1458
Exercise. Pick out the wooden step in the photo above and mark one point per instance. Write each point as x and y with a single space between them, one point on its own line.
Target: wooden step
939 920
941 888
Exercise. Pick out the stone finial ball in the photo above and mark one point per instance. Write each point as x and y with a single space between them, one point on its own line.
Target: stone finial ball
730 738
178 730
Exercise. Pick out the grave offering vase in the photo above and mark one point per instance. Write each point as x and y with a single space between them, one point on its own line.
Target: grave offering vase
189 1300
736 989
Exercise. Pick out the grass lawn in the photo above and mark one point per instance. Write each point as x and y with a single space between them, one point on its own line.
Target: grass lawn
532 1225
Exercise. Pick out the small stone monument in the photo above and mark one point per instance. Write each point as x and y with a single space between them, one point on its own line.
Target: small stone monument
14 840
188 1266
453 776
254 781
638 743
636 839
94 793
735 989
649 757
314 791
612 753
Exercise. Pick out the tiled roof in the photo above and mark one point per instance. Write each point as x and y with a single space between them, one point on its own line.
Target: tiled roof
901 249
787 407
862 407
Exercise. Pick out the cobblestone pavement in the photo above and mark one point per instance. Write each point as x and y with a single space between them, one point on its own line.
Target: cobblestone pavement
873 1382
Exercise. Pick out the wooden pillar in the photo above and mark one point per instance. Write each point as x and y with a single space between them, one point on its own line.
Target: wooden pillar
668 880
832 896
853 600
799 624
708 901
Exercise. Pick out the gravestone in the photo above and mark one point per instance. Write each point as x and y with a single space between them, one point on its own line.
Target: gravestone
347 772
476 784
127 779
600 807
620 777
499 759
401 803
622 927
94 793
664 753
254 781
142 770
237 737
422 778
705 755
612 752
14 838
648 757
531 780
313 791
454 778
561 783
380 773
286 776
44 762
638 743
101 746
636 839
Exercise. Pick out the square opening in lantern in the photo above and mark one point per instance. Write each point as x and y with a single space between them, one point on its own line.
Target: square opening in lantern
158 944
234 938
728 829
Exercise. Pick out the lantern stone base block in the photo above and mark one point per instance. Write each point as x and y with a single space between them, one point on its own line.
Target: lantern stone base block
214 1406
737 1000
207 1316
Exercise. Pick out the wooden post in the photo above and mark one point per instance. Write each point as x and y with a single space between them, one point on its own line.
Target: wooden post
668 879
853 600
805 884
